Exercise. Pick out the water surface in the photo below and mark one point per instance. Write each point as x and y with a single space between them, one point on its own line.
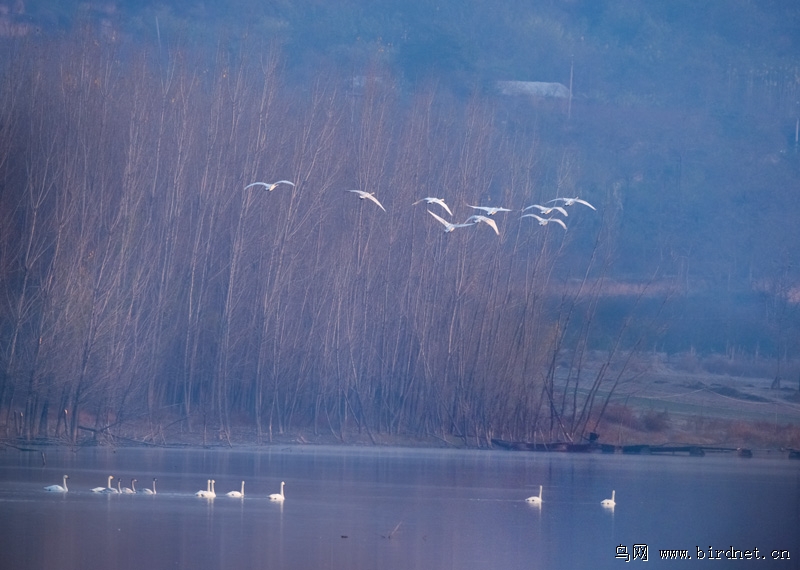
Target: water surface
352 508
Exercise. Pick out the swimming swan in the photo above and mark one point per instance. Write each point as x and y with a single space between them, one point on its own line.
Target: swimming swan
107 489
58 488
609 502
536 500
368 196
130 490
209 492
236 494
151 491
278 496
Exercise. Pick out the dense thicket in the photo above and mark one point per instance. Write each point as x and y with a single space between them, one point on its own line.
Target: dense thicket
143 280
140 280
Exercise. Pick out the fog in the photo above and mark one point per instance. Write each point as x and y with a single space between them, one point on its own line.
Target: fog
144 282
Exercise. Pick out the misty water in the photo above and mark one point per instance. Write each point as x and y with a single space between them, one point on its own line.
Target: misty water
351 508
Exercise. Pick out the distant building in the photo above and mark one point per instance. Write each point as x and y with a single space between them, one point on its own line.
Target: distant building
540 89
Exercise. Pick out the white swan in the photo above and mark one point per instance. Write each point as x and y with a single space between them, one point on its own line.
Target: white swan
545 221
104 489
278 496
58 488
449 227
151 491
477 218
609 502
544 210
236 494
430 200
368 196
572 201
209 492
536 500
490 210
270 186
130 490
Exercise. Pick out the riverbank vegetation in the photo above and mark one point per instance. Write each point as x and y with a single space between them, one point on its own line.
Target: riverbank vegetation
144 285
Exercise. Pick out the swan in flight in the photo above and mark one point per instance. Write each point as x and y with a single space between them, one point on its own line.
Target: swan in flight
368 196
58 488
477 218
236 494
609 502
278 496
107 489
490 210
536 500
545 221
151 491
209 492
130 490
269 186
572 201
545 211
449 227
430 200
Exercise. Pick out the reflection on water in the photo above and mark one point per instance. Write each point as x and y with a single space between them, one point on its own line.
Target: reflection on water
349 508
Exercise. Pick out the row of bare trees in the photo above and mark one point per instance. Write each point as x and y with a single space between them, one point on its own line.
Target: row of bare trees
142 284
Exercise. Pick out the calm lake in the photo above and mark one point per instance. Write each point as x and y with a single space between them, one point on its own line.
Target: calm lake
386 508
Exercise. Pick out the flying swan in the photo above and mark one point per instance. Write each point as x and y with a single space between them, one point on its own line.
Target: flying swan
270 186
449 227
368 196
545 221
536 500
545 211
572 201
58 488
477 218
278 496
490 210
236 494
430 200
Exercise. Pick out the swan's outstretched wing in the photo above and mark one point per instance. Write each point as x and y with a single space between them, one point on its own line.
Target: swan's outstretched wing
483 219
439 201
571 201
559 222
444 222
541 220
270 186
585 203
491 210
274 184
368 196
